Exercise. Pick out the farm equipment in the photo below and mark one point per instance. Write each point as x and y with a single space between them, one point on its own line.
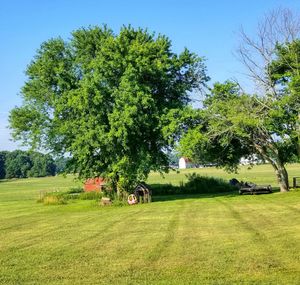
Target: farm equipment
250 188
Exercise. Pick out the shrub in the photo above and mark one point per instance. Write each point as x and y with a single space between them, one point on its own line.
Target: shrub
60 198
165 189
119 202
93 195
54 198
204 184
75 190
196 184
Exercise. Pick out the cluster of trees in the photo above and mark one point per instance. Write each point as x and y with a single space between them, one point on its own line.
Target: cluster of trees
23 164
119 103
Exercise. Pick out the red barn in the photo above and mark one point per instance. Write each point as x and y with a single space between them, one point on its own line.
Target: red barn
94 184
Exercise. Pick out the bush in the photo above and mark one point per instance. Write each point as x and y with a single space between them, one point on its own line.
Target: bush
119 202
59 198
93 195
54 198
75 190
203 184
196 184
166 189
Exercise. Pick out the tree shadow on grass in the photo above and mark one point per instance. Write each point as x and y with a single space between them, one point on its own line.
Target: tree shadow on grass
170 197
7 180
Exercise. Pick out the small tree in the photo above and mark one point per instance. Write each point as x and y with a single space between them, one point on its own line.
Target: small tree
100 98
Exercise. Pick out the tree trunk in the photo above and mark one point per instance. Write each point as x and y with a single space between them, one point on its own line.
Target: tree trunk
282 178
280 170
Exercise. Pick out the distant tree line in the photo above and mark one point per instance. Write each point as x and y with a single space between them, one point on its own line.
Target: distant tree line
23 164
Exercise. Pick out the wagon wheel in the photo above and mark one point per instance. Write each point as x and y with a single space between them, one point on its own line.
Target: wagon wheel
132 199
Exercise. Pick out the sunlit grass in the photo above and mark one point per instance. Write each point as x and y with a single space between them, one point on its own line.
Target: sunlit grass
189 240
262 174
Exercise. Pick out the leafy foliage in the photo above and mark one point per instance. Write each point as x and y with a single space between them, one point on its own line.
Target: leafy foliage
286 78
101 98
62 164
214 135
234 124
18 164
42 165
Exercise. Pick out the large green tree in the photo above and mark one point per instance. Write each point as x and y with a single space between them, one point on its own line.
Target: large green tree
100 98
233 125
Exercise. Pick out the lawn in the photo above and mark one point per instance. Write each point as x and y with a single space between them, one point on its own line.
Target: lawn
263 174
198 239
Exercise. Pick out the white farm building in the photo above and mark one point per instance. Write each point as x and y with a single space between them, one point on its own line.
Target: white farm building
185 163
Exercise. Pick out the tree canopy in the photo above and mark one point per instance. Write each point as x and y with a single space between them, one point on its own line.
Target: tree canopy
101 97
216 132
234 125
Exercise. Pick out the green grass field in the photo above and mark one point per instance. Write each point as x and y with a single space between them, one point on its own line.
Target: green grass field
198 239
261 174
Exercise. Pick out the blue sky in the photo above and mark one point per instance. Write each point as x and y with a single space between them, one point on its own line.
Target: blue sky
208 28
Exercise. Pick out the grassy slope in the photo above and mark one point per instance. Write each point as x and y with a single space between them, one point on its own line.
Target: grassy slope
191 240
